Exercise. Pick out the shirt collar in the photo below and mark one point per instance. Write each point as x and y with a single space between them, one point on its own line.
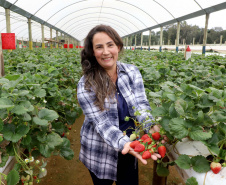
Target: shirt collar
119 67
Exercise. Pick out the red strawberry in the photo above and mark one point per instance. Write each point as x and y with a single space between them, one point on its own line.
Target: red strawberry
139 148
215 167
148 140
146 155
133 144
162 151
156 136
145 136
69 127
154 146
151 150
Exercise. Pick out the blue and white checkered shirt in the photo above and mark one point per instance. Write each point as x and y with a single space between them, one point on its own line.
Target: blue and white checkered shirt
101 138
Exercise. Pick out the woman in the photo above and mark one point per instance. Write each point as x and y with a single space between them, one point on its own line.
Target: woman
107 92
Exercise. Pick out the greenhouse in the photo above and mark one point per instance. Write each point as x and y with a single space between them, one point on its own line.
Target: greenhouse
158 65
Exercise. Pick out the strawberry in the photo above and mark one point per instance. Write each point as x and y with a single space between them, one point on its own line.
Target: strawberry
151 150
156 136
139 148
162 151
148 140
146 155
133 144
132 137
145 136
215 167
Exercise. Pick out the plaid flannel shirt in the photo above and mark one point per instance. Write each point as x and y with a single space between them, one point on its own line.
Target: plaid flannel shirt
101 138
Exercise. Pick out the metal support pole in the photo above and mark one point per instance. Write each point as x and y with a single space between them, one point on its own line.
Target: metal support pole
178 36
8 26
30 34
141 41
57 39
135 38
205 34
161 34
149 41
51 37
43 36
2 71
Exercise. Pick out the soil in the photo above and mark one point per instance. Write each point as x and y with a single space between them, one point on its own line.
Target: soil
73 172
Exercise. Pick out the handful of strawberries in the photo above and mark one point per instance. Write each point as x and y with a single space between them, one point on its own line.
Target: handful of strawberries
149 144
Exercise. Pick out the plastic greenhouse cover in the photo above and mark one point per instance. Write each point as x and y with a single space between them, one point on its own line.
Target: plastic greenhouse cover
77 17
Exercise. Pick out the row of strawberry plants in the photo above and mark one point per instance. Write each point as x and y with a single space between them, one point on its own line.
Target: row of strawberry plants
189 100
37 108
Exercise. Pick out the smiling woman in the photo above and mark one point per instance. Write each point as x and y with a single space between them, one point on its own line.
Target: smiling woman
108 92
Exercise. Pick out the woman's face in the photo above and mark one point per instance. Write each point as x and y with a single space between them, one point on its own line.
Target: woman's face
105 50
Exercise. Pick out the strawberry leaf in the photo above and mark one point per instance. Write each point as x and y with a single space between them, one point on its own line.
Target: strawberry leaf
178 128
161 170
198 134
192 181
13 177
183 161
200 164
6 103
47 114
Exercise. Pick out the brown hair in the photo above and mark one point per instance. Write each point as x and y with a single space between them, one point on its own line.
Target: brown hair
96 78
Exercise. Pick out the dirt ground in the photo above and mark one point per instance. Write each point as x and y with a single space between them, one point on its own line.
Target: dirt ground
73 172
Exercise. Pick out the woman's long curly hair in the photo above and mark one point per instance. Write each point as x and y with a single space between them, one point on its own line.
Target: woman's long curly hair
96 78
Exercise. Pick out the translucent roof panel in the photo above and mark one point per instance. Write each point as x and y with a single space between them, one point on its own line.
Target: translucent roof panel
76 17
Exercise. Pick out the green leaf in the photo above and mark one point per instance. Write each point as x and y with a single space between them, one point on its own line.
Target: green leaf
5 158
23 92
153 94
172 97
13 177
19 109
161 170
191 181
47 114
200 164
26 140
13 133
1 124
199 134
178 128
65 150
218 116
180 106
40 93
26 117
183 161
6 103
41 122
159 111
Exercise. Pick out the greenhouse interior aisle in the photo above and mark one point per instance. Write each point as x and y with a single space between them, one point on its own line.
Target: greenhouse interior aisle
73 172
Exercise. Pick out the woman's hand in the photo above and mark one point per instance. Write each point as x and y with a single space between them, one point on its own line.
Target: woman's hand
128 149
156 128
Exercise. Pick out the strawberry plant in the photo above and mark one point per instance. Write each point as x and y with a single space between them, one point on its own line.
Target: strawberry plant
37 105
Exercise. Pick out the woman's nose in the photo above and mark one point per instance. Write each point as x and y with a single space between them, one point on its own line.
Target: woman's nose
105 51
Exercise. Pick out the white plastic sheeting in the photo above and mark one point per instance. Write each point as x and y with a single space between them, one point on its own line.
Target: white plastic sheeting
77 17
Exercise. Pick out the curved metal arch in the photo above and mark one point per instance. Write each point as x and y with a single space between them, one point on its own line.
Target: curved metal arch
103 13
165 9
104 7
106 22
139 9
95 20
11 24
85 27
200 6
41 8
64 8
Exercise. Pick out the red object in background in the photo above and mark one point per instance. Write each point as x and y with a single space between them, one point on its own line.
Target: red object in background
65 45
188 49
70 45
132 48
76 46
8 41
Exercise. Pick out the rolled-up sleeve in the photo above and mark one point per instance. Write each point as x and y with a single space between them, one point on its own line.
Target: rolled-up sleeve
110 133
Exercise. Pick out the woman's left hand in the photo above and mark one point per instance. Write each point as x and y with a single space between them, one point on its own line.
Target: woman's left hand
128 149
